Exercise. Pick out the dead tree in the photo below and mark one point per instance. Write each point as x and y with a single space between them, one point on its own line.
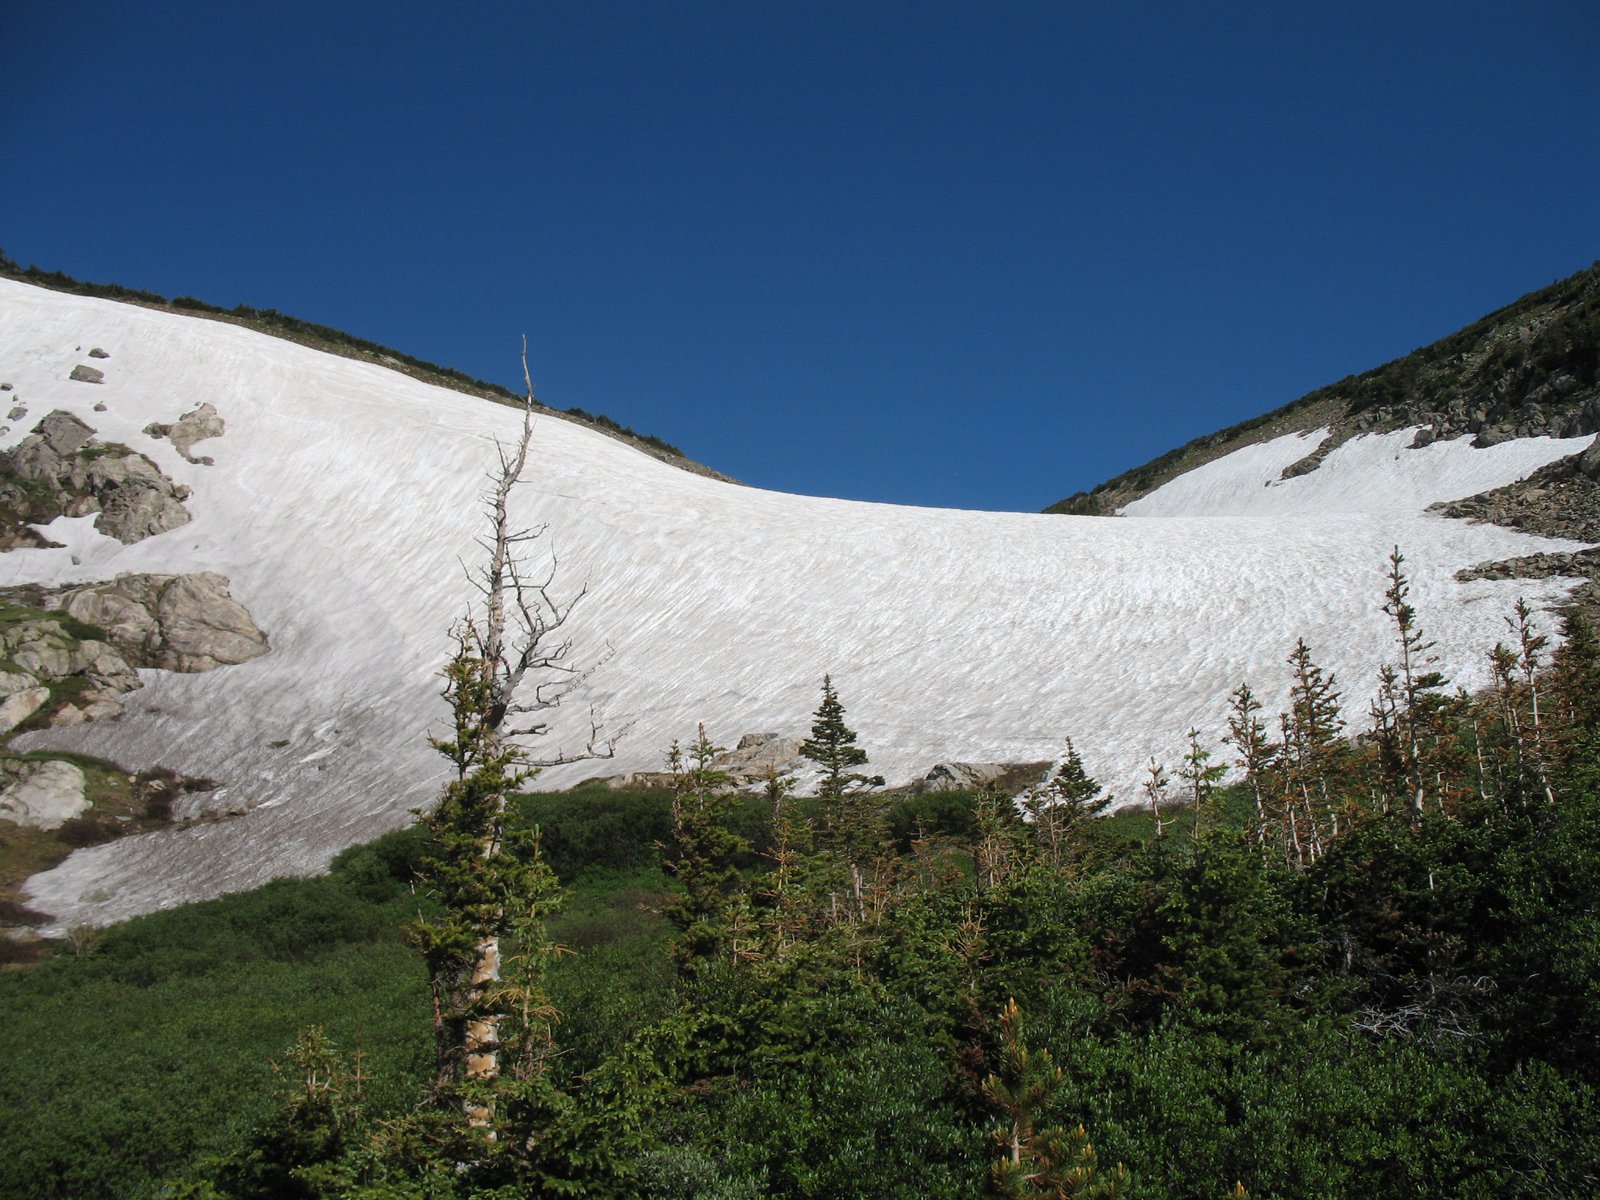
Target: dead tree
512 665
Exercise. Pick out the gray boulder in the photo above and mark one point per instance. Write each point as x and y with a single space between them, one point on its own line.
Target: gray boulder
44 653
1589 460
43 795
22 698
962 776
134 499
174 622
194 426
84 373
756 756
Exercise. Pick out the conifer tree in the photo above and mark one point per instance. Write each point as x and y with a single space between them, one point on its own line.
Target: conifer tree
1313 753
1060 808
1201 776
1414 697
1533 727
786 894
702 858
489 878
849 827
1248 736
1156 783
1575 694
832 746
997 840
1038 1160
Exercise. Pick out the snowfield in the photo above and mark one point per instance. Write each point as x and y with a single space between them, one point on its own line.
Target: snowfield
344 501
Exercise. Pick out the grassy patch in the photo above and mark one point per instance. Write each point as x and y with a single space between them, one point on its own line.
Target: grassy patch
153 1049
120 803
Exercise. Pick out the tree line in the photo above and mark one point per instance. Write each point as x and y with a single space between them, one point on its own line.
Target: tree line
1366 969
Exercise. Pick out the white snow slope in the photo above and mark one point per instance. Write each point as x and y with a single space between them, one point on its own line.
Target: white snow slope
344 500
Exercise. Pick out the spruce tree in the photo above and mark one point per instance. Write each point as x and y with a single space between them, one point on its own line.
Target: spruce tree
1038 1160
1062 807
1415 696
832 746
702 858
1202 776
488 878
849 819
1248 736
1314 754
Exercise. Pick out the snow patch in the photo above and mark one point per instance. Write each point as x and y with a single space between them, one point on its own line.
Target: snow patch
345 498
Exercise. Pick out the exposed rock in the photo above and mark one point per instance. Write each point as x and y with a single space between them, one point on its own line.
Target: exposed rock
758 755
175 622
1526 370
949 777
19 705
17 413
1315 459
136 500
1573 564
87 374
98 353
45 654
43 795
68 714
58 470
633 781
63 435
1589 461
194 426
1560 500
100 406
1009 778
16 536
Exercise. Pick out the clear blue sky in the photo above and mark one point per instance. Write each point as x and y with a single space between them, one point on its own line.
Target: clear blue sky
974 255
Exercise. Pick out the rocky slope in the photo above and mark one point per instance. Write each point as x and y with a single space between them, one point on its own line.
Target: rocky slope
1529 369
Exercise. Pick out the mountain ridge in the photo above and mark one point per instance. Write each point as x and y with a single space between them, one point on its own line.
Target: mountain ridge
1529 368
336 341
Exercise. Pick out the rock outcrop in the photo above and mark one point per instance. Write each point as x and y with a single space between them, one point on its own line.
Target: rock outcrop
194 426
72 652
84 373
174 622
70 678
44 795
59 470
1009 778
757 756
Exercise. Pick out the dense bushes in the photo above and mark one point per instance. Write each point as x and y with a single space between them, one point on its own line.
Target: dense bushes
1321 982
